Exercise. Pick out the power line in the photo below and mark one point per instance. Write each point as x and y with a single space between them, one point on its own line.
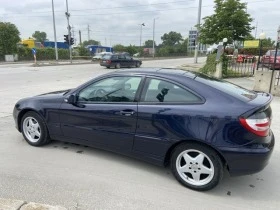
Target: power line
107 8
124 13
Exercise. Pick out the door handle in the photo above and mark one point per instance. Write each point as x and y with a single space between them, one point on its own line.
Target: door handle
127 112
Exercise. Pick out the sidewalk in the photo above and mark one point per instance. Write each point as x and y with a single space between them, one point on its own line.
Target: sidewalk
10 204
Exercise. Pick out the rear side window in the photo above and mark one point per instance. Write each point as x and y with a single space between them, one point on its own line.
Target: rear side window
227 87
107 57
163 91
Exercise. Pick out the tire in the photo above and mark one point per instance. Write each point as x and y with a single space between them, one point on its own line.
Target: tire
138 65
194 159
29 128
118 66
107 67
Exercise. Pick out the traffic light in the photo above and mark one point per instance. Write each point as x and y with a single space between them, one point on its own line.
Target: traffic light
72 41
66 39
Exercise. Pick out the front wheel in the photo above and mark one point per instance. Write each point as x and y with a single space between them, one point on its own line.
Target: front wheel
196 166
138 65
34 129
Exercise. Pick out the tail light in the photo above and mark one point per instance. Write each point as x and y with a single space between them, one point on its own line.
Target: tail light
108 61
259 127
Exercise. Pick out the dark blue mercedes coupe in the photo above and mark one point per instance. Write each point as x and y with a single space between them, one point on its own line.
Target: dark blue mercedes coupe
200 126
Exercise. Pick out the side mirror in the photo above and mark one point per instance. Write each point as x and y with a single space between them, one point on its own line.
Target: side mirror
72 99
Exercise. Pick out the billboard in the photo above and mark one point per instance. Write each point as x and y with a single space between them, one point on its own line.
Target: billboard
251 43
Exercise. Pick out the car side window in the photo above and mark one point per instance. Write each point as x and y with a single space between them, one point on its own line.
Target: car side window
121 57
163 91
127 57
113 89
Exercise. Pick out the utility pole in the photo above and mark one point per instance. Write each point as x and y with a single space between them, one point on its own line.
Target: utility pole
80 37
54 30
88 32
198 24
73 33
69 32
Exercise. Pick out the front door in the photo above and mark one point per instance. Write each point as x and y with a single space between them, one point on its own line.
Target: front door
105 114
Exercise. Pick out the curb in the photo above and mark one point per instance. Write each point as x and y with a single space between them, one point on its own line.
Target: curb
12 204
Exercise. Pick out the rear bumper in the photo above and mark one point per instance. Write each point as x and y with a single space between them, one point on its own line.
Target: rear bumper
245 161
105 64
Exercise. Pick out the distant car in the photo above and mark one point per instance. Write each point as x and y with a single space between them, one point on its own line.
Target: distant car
136 55
98 56
119 60
268 59
199 125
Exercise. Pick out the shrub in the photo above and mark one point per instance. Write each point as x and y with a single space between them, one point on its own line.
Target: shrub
210 66
25 53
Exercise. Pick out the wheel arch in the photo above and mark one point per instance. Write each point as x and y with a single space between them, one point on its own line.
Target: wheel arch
22 113
172 147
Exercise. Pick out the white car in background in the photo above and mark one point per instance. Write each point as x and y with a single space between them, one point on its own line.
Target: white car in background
99 56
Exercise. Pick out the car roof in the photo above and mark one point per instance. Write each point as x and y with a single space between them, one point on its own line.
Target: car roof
160 71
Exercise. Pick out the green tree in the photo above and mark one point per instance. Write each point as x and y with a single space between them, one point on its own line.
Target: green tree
230 20
131 49
119 48
91 42
171 38
9 37
40 36
149 43
268 42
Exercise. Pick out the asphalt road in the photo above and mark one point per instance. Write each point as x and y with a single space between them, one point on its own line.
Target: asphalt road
79 177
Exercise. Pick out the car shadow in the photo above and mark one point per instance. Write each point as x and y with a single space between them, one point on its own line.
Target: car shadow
249 187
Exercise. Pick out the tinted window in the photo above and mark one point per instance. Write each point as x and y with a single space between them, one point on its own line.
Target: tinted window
113 89
107 57
121 57
163 91
227 87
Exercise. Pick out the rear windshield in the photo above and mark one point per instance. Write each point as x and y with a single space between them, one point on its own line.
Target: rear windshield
107 57
227 87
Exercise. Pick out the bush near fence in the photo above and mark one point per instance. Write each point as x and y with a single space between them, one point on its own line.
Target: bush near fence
248 51
25 53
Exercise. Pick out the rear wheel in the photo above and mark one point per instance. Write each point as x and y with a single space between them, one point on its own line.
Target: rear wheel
34 129
196 167
118 66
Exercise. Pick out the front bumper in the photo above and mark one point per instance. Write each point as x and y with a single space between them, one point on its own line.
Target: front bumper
245 161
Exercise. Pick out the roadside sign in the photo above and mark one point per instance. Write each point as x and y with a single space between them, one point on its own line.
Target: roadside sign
34 51
251 43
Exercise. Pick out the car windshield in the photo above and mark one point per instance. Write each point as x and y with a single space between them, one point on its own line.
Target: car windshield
273 53
227 87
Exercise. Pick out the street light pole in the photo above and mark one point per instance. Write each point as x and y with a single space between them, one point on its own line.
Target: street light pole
198 25
261 38
143 24
54 29
69 32
275 58
154 25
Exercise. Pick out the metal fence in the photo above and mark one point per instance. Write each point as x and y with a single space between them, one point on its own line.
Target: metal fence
271 67
240 66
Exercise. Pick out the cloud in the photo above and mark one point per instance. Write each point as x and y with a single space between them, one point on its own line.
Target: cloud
117 21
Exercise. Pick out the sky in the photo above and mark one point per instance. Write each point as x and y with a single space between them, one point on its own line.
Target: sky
118 21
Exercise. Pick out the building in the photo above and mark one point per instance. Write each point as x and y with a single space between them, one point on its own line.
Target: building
192 42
